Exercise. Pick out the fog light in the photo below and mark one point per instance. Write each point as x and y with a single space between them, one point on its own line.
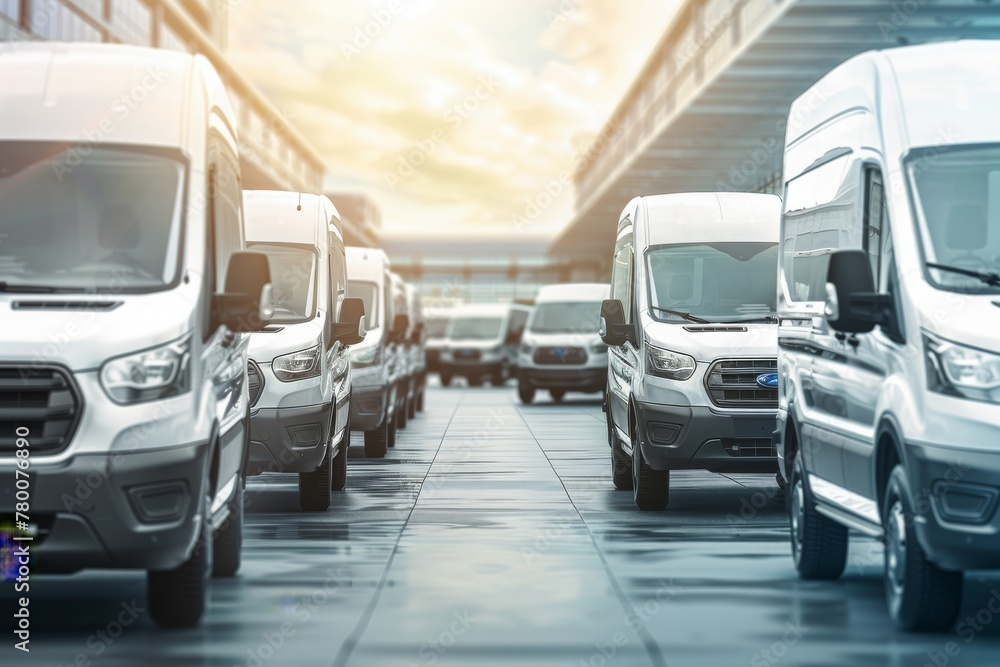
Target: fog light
663 434
162 502
960 502
307 435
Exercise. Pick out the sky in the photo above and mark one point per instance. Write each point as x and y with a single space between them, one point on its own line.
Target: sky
457 117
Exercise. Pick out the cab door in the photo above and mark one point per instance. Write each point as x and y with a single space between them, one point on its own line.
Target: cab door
623 359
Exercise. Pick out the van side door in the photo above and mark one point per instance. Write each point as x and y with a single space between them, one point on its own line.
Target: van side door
337 268
623 359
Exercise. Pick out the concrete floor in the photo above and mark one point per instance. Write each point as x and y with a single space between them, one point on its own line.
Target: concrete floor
491 535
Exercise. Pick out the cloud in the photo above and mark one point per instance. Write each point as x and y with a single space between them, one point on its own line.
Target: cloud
480 104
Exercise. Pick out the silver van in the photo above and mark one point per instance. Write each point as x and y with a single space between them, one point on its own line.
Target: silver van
299 368
373 361
889 292
692 369
481 343
124 292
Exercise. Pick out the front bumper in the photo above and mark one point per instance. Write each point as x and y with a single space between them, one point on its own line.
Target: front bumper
472 369
370 406
571 379
956 495
433 362
698 438
88 509
289 439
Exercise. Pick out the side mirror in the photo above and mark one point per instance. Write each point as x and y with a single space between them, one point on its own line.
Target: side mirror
852 305
400 325
246 305
614 331
351 329
418 333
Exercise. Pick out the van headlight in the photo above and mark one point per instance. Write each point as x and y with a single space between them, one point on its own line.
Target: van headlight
962 371
368 356
667 364
152 375
297 365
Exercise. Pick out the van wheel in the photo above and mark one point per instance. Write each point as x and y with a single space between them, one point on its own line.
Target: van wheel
498 379
393 430
621 469
228 542
402 411
339 479
376 441
446 379
411 406
650 488
315 486
475 381
819 544
920 595
420 398
177 597
557 395
526 394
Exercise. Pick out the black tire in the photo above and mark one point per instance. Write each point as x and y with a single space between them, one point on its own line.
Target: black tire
475 381
227 549
420 398
393 431
411 407
526 394
177 598
650 488
557 395
377 441
819 544
446 379
621 466
498 380
315 487
921 596
402 413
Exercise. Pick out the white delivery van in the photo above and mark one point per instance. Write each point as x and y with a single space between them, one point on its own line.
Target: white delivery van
890 306
691 323
402 370
417 353
124 287
482 342
299 366
374 396
561 349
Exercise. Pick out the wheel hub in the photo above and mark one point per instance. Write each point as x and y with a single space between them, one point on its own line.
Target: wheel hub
797 516
895 547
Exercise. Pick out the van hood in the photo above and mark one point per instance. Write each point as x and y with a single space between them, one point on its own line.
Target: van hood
707 343
82 332
472 344
280 339
561 339
966 319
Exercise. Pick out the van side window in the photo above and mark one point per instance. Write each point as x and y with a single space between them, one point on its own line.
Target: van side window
225 208
822 214
518 320
874 236
621 273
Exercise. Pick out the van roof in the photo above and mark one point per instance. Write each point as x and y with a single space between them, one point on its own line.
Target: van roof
367 264
80 92
711 217
568 292
934 84
273 215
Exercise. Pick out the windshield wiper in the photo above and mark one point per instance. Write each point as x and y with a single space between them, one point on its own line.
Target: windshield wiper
989 277
19 288
767 319
687 316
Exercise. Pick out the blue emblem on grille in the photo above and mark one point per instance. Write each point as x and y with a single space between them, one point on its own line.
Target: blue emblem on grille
768 380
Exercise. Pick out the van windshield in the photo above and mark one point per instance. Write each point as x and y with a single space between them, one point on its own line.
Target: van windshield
104 220
367 292
718 282
958 202
293 279
475 328
569 318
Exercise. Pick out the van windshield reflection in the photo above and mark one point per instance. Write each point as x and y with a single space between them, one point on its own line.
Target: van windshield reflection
475 328
293 280
958 201
107 220
717 282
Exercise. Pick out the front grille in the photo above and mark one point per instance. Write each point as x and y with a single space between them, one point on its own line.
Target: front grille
560 356
39 400
743 448
467 355
255 382
732 383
